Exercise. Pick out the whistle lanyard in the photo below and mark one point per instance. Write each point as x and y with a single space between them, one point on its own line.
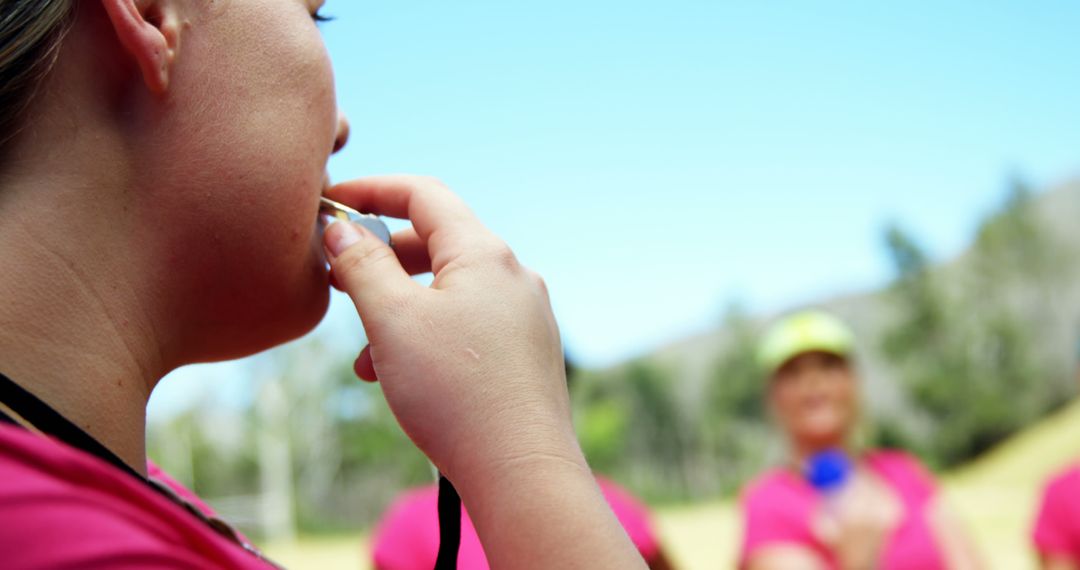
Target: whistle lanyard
449 525
21 408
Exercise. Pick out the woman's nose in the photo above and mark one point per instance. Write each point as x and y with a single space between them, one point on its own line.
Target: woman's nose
342 132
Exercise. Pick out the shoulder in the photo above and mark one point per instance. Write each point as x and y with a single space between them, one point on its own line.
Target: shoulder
74 510
778 511
35 466
773 487
188 495
895 458
778 500
1065 482
902 469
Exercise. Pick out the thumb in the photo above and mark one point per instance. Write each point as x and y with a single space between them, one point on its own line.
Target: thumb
365 267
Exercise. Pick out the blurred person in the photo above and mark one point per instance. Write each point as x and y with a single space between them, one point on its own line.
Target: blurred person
833 505
1056 530
161 166
1056 533
407 536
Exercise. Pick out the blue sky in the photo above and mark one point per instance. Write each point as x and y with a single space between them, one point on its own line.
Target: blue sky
654 160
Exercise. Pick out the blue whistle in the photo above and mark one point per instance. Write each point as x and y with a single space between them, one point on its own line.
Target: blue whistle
828 470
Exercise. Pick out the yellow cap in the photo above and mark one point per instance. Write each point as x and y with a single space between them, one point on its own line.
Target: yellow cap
806 331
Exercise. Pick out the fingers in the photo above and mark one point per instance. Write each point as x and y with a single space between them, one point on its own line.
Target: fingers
365 268
411 252
364 366
440 218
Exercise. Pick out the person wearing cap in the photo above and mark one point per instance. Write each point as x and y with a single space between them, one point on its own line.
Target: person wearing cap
832 505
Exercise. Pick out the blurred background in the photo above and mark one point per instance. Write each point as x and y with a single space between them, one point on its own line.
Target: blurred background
680 172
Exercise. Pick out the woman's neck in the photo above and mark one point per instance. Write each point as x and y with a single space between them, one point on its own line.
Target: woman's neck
801 452
75 325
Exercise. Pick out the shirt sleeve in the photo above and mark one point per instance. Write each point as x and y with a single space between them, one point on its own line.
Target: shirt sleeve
768 520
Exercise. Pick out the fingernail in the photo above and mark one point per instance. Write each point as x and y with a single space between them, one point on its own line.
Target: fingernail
340 236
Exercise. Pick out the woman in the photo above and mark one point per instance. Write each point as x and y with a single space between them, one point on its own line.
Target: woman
162 164
833 506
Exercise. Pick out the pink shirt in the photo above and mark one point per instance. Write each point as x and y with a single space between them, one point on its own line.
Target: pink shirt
779 508
1057 526
408 536
63 508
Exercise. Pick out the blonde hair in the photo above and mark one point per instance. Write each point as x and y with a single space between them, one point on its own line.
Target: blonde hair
30 35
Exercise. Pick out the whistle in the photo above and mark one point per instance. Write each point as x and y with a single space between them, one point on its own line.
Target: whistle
344 213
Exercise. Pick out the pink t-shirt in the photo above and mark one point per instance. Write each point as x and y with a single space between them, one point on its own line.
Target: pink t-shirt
779 508
1057 526
63 508
408 536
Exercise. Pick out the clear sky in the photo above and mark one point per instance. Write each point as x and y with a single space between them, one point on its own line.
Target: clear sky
654 160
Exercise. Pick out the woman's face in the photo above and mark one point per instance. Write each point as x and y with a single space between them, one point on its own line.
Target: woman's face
814 398
240 154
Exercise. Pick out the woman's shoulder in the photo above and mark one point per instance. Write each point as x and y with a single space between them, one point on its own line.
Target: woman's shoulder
31 461
89 510
902 469
775 486
38 470
777 509
895 458
1065 481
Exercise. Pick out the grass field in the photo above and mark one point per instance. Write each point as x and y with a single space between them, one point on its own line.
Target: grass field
996 496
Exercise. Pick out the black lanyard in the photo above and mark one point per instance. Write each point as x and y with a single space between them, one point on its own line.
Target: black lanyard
449 525
21 408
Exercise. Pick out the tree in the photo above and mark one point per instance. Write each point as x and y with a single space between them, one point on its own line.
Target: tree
734 422
966 342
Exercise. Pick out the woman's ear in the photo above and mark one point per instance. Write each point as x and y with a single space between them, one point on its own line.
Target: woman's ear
149 32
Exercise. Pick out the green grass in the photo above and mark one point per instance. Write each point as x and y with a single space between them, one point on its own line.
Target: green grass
996 496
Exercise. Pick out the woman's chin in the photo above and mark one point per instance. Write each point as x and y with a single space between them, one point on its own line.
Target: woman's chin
309 309
823 434
290 315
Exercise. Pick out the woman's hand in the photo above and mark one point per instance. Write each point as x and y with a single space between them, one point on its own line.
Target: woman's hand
472 368
858 522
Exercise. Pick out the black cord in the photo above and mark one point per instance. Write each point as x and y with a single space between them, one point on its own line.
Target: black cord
449 525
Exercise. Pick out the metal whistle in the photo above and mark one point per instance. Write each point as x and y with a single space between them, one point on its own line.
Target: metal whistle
342 212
